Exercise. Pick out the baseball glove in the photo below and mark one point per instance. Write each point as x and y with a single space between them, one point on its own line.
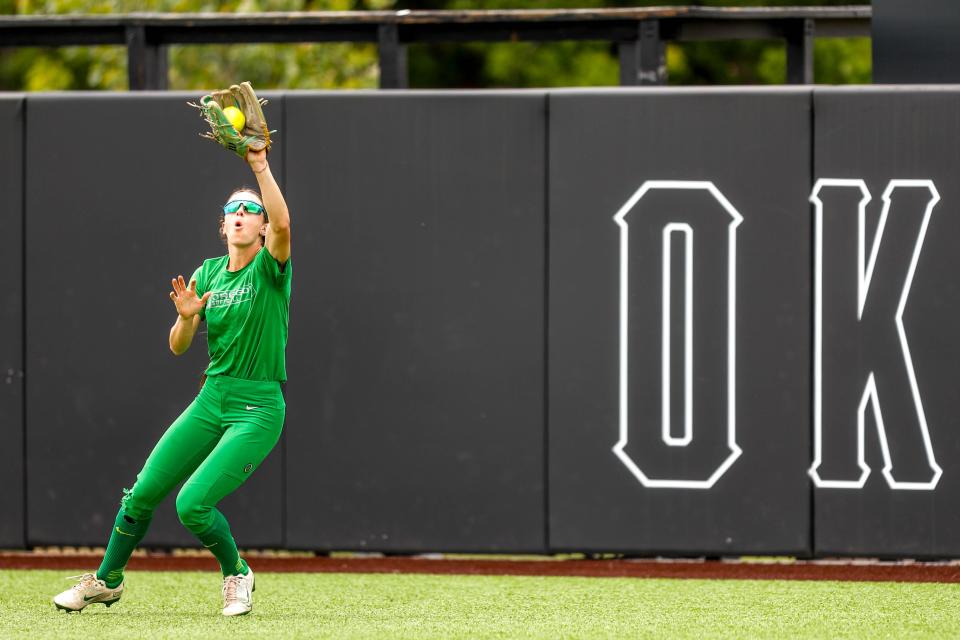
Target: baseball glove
255 135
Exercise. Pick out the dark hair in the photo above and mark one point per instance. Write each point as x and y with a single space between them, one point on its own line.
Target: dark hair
266 217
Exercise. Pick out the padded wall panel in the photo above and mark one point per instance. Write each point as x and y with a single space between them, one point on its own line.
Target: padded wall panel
416 395
679 321
890 344
11 322
109 222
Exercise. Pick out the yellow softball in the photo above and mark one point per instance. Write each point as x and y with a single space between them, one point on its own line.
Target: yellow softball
235 116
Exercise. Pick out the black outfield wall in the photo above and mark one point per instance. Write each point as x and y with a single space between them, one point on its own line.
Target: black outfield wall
892 488
108 225
694 201
685 322
416 405
12 501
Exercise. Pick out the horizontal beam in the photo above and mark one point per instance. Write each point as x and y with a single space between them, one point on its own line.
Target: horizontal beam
59 35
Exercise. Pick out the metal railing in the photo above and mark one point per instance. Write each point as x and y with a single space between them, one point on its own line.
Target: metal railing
640 34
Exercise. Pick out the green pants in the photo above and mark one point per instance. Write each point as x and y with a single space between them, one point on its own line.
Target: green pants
215 444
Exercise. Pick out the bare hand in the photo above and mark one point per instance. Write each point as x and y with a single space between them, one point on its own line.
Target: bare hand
185 298
257 160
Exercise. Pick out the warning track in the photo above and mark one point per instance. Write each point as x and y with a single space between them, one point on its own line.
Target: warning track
621 568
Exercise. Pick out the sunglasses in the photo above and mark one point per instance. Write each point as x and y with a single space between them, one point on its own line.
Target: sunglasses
251 207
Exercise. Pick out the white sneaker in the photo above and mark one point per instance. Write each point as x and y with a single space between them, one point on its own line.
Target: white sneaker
238 594
86 592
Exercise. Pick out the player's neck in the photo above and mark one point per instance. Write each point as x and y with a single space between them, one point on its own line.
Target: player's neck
242 256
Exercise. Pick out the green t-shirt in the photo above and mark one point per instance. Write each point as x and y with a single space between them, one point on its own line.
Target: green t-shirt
247 317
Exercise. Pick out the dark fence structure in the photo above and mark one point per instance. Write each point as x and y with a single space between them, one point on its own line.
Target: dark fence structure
644 321
640 34
912 42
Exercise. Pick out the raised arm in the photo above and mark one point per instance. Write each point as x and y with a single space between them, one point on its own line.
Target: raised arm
278 231
188 314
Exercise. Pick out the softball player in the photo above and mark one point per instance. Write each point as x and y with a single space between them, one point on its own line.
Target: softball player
236 419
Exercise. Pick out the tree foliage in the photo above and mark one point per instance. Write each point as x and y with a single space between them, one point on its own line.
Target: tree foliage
309 66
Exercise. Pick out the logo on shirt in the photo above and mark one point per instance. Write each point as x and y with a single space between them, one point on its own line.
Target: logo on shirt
234 296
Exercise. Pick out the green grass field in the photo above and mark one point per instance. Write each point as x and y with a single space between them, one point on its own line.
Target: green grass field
187 605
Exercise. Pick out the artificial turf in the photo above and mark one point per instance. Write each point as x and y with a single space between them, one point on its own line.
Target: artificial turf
187 605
